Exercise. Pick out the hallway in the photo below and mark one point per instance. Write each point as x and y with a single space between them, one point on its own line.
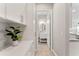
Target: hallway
23 25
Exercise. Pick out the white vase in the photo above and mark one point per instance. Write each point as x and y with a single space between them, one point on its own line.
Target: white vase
15 43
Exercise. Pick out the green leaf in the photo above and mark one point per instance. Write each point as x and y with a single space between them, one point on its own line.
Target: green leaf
7 30
17 31
9 34
12 27
13 32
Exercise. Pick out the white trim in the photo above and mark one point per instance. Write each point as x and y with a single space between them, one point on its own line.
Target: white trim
54 52
51 29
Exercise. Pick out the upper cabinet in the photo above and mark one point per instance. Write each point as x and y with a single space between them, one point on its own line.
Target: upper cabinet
2 10
15 12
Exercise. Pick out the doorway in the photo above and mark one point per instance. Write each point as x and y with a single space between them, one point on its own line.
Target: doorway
43 32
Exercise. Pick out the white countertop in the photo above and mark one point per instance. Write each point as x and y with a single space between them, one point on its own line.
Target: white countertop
20 50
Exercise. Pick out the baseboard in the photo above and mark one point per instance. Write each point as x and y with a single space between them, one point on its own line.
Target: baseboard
53 51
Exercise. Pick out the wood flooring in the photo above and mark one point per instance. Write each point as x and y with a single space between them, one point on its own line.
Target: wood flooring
43 50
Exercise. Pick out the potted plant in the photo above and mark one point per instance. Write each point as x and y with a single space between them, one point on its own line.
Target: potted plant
14 32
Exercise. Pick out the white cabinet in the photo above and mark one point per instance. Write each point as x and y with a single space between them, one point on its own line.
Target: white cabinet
15 12
2 10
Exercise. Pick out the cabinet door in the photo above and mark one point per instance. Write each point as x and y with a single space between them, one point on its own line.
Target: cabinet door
2 10
15 11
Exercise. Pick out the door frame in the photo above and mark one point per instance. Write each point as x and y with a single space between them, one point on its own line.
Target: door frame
51 28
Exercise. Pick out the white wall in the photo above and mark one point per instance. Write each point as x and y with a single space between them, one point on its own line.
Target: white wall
59 29
29 31
44 6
